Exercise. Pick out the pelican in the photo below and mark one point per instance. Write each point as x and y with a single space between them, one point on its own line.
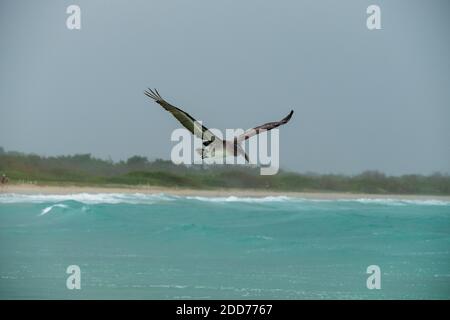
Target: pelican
213 146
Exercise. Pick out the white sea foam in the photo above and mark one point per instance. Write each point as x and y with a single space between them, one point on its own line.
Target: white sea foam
398 202
140 198
48 209
242 199
86 198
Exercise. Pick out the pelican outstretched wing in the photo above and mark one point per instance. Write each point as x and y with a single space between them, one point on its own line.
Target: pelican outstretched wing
183 117
265 127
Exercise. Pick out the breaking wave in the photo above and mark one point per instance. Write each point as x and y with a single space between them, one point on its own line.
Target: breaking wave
48 209
140 198
86 198
244 199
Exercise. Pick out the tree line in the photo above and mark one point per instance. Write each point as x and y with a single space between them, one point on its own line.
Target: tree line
84 169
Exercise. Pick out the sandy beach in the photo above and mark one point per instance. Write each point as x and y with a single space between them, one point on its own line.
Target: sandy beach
67 189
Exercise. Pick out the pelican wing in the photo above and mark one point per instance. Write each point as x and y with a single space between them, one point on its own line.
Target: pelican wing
265 127
183 117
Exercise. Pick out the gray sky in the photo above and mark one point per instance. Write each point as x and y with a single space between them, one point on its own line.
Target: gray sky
362 99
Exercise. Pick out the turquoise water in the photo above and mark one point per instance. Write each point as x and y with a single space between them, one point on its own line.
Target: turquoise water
168 247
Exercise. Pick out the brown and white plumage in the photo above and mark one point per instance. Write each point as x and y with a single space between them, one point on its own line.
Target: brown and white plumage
262 128
213 145
183 117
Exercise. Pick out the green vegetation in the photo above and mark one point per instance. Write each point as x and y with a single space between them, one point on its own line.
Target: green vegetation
83 169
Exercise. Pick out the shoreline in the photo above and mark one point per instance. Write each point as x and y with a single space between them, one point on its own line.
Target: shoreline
71 189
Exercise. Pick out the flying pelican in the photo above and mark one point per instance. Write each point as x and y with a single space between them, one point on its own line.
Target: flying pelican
213 146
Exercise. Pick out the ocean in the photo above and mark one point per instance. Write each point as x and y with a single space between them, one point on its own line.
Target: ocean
136 246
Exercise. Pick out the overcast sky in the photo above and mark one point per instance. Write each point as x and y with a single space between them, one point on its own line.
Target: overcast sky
377 100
